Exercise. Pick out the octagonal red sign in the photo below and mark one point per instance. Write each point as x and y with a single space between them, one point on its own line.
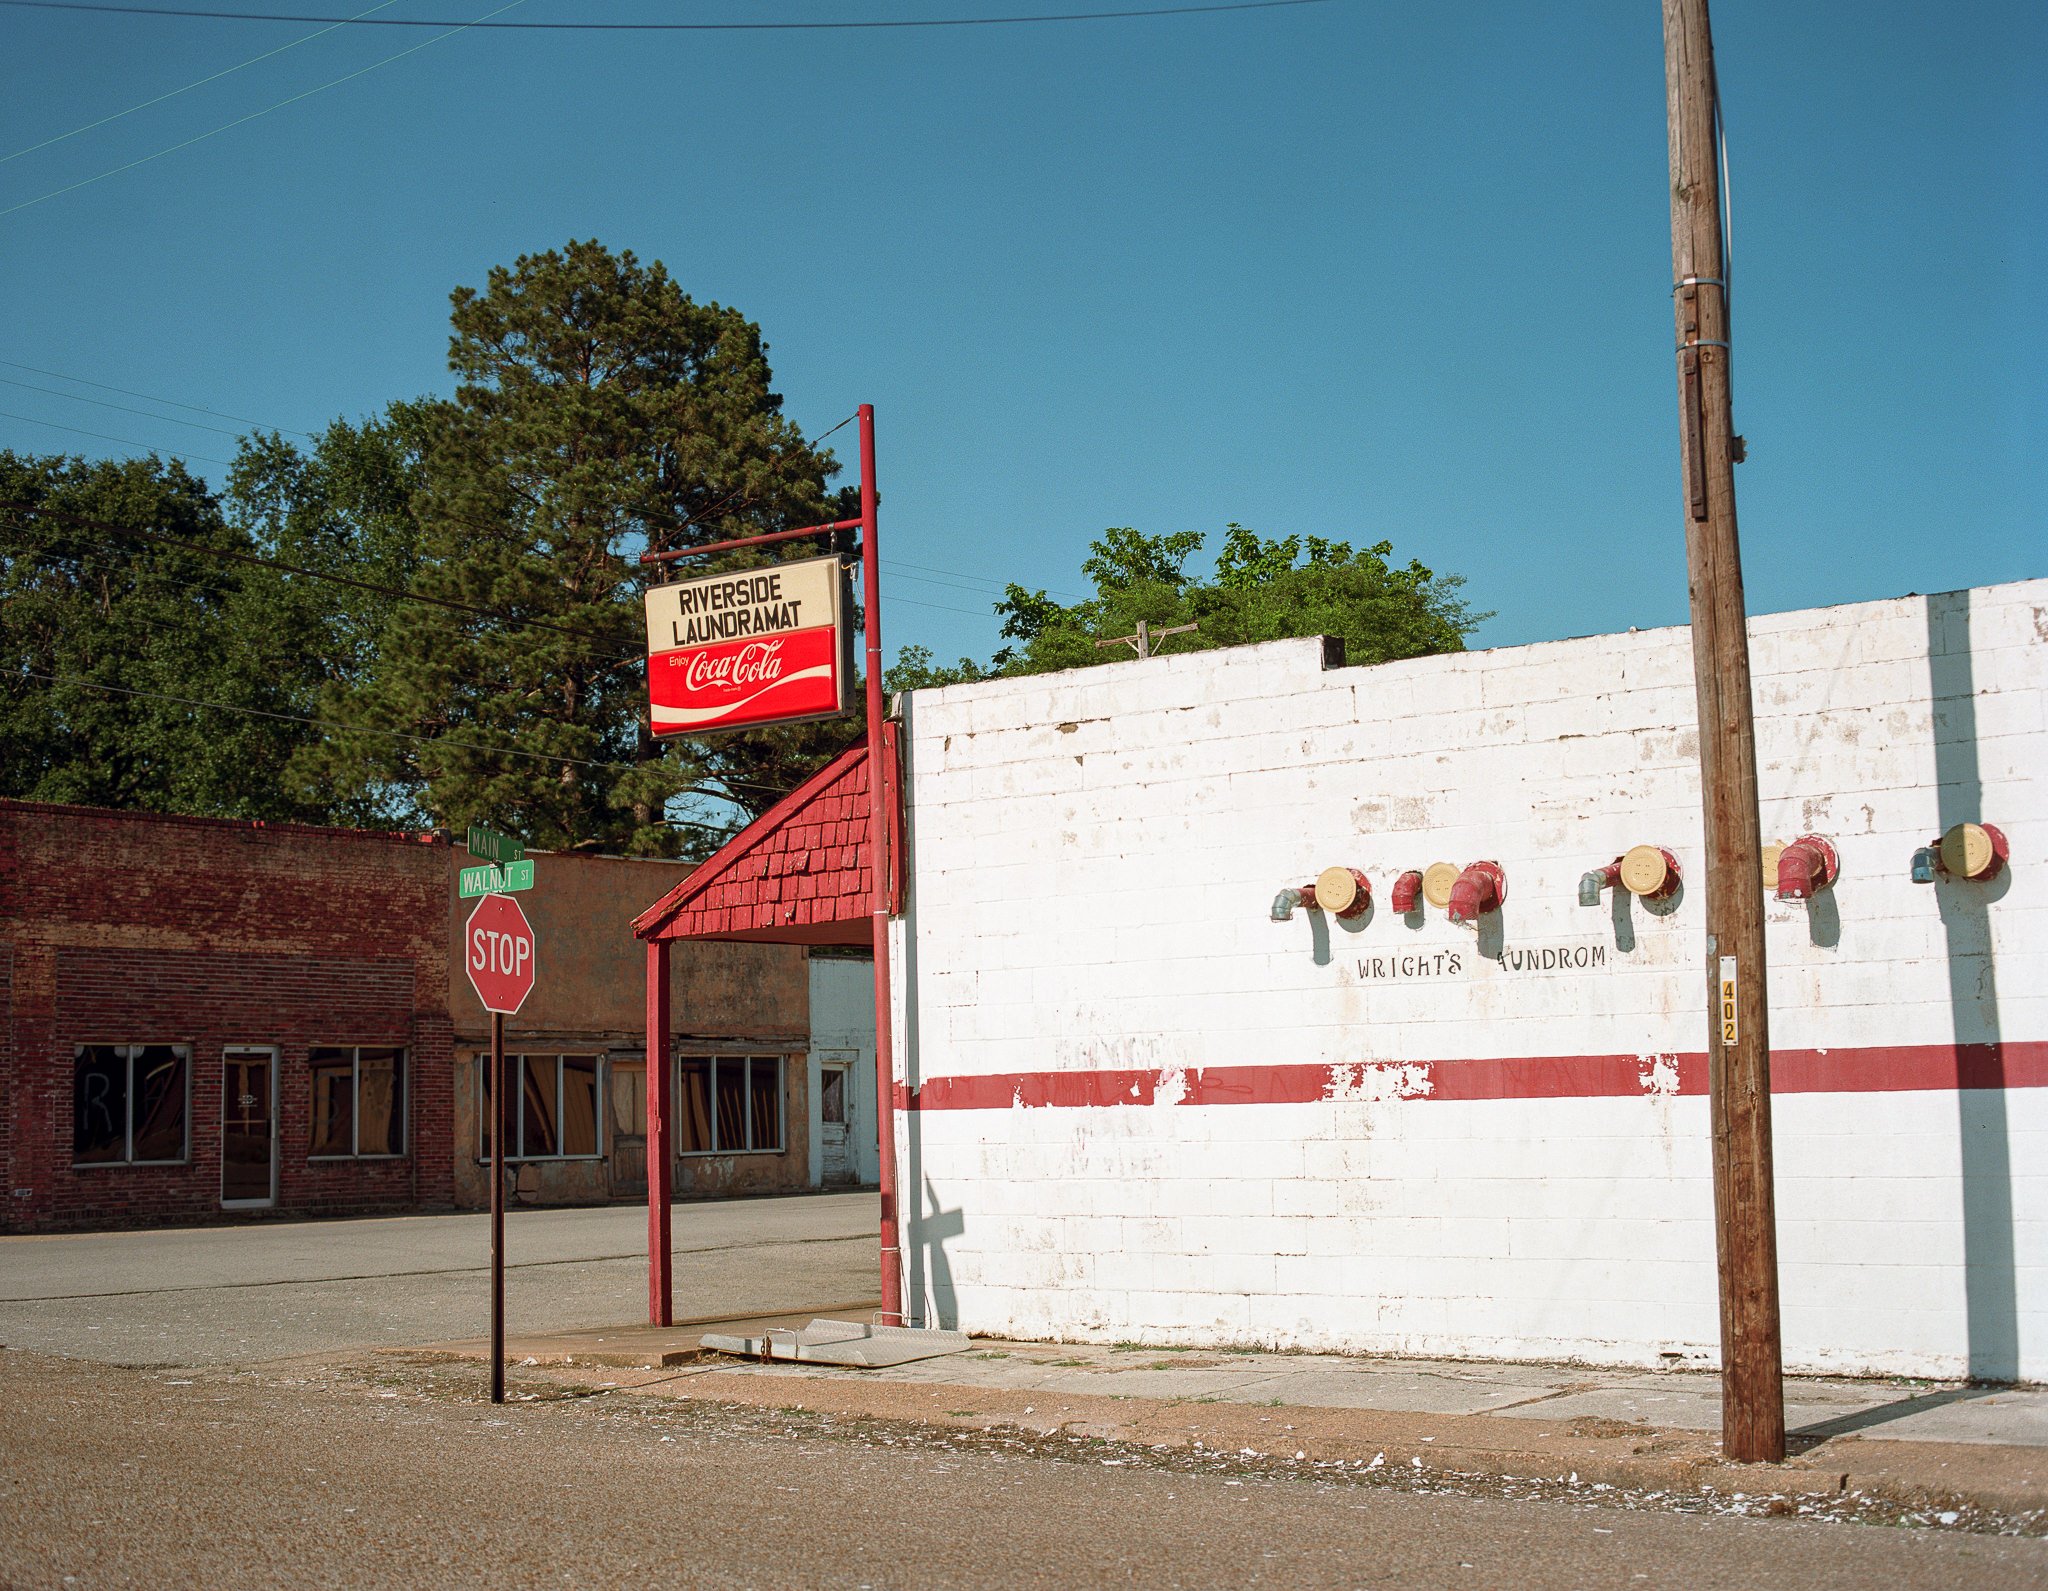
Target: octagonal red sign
497 947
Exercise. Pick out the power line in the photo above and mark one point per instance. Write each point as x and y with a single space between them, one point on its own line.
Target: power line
725 502
79 397
940 607
148 447
993 585
732 502
150 397
200 138
325 723
214 77
88 522
365 729
53 559
671 27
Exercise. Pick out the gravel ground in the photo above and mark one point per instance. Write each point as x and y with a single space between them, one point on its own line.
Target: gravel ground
381 1472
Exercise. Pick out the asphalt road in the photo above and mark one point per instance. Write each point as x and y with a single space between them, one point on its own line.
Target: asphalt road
242 1294
383 1475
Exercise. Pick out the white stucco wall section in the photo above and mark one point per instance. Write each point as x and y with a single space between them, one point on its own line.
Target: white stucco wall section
1091 860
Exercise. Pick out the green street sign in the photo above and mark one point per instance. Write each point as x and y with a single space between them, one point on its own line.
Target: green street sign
491 879
489 845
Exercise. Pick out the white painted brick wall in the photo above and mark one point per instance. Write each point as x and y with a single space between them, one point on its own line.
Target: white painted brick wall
1092 857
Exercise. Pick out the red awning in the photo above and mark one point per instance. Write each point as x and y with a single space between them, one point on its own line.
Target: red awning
796 875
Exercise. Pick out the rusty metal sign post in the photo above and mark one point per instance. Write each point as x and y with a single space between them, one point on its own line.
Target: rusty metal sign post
498 953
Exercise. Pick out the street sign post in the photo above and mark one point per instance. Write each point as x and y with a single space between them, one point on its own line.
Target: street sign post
497 952
489 878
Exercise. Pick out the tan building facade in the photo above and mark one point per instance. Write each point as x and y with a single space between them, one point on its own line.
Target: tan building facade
576 1051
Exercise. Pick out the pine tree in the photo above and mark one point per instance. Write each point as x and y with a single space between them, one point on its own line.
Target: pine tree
601 411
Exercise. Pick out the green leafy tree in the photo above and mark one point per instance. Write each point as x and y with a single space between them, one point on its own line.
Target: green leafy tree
144 676
343 507
601 411
914 670
1263 590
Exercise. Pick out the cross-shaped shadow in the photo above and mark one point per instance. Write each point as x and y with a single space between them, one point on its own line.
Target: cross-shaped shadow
933 1229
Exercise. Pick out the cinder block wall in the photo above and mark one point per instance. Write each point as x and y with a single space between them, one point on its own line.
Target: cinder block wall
1141 1109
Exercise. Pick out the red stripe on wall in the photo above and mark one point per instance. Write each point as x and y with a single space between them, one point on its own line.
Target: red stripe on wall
1876 1069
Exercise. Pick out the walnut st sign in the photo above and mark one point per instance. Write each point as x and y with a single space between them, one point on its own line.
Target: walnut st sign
756 647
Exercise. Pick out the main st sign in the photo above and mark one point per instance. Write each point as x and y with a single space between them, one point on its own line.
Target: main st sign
753 647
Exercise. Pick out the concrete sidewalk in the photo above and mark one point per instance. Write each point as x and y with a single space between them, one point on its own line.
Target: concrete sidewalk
1922 1444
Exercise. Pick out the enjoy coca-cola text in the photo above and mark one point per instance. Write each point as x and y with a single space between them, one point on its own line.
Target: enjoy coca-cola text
756 663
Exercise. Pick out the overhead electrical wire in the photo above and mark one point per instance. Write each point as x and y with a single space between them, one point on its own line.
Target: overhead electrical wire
321 723
29 419
840 26
200 138
362 729
149 397
57 559
733 501
234 555
79 397
212 77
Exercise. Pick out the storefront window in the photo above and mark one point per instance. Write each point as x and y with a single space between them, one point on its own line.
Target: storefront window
129 1104
728 1104
358 1102
554 1107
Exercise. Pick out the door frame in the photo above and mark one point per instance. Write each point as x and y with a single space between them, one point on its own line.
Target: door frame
614 1188
847 1061
269 1202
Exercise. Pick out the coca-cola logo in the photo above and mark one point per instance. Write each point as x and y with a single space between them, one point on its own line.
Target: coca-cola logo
756 663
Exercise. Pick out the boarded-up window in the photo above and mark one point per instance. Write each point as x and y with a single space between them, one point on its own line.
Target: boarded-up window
358 1102
554 1107
729 1104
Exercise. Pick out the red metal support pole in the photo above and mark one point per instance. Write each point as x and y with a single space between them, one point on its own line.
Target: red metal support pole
661 1305
749 541
879 873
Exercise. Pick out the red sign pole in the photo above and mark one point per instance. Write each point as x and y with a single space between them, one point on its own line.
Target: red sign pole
879 780
881 791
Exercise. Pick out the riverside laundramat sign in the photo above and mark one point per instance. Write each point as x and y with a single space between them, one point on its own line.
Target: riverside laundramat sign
758 647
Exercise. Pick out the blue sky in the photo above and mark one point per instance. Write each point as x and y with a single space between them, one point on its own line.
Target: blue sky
1353 269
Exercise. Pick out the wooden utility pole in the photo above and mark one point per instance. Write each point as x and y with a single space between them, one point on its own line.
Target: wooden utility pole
1738 1037
1143 642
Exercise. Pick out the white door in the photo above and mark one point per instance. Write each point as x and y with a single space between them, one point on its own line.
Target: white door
835 1117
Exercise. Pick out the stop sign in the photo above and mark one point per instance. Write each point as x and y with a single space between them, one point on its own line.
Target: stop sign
498 950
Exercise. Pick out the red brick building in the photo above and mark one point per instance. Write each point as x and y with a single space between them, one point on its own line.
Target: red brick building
201 1017
204 1015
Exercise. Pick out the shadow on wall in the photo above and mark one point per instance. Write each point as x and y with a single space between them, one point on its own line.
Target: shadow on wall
929 1298
1990 1287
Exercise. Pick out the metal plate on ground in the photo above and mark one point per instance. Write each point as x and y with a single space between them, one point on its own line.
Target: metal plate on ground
843 1342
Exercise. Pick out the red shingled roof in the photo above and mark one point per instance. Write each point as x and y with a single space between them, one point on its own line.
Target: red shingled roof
798 874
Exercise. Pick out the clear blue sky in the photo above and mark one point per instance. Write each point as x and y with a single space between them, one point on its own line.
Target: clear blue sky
1358 269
